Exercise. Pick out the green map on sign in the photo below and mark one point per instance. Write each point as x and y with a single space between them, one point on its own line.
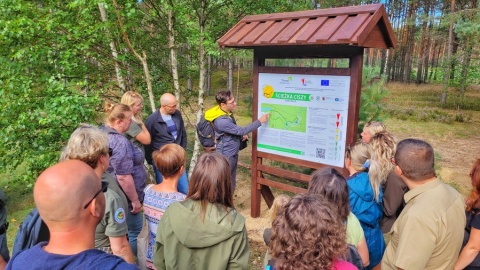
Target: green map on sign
286 117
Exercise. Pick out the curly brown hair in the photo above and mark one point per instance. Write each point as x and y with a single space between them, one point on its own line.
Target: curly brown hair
307 234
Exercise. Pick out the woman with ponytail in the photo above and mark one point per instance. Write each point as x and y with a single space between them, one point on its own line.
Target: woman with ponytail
365 196
126 163
469 256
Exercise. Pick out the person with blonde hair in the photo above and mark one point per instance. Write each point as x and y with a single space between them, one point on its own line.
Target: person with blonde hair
137 133
90 145
308 234
204 231
365 196
170 161
384 146
126 163
370 129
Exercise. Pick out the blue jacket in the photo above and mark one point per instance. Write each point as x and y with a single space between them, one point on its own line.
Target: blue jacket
369 212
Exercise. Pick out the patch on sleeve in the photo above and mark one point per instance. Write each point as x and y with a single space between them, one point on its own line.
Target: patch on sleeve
120 215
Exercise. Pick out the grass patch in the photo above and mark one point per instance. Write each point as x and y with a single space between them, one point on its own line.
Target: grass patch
428 96
19 201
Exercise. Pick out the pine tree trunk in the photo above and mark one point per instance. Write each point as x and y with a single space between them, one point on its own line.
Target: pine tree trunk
446 76
410 40
428 56
421 53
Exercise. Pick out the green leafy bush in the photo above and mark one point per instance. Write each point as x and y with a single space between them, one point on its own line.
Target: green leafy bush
36 123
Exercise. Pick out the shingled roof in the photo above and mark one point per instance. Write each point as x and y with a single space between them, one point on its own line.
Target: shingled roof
363 26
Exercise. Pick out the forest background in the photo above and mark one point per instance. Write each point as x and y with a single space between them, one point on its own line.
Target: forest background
61 60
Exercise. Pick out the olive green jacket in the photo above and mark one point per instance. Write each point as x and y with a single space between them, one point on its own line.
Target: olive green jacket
185 242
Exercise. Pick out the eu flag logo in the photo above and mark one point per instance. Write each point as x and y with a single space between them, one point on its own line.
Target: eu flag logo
324 82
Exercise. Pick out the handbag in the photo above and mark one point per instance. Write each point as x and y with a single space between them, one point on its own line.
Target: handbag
142 241
243 144
142 245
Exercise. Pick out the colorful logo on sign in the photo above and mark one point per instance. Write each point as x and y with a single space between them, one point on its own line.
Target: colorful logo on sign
286 81
305 82
268 91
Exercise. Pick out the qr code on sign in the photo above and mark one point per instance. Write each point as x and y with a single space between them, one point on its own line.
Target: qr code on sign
320 153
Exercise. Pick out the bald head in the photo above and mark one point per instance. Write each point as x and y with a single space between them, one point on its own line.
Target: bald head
62 191
168 104
168 99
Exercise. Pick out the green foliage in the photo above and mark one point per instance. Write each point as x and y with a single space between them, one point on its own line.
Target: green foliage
44 83
36 123
373 91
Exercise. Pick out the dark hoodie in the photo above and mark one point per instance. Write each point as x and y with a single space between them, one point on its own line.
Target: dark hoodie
219 242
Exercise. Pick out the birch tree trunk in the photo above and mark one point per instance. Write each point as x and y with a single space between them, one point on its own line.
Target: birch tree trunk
120 80
143 59
173 52
201 82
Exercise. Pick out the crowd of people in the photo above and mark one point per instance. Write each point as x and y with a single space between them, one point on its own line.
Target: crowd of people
389 212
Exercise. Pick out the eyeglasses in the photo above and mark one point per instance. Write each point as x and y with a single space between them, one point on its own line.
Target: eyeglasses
171 106
103 189
234 101
110 151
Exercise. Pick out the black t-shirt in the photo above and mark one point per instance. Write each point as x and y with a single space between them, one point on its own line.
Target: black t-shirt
473 221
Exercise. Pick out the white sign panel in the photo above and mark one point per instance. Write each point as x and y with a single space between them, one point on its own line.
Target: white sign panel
308 116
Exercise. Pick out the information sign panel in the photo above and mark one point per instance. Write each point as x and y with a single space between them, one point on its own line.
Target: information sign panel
308 116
